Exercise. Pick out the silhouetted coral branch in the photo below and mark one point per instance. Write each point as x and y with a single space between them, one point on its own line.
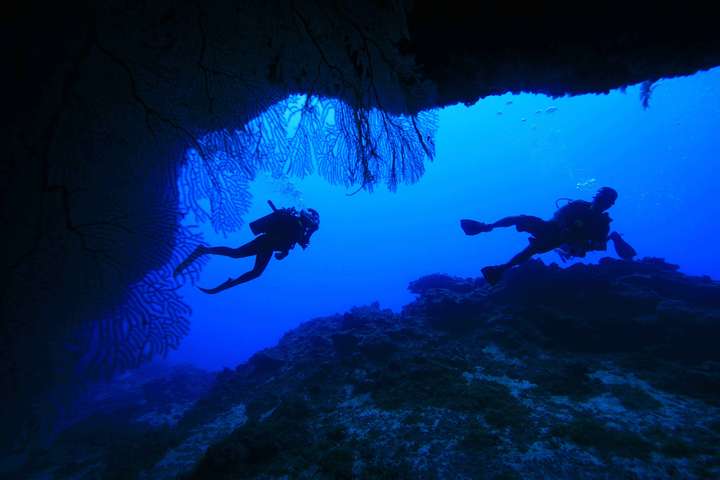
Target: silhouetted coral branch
151 321
347 145
646 90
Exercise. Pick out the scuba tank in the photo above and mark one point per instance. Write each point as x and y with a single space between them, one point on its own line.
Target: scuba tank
271 220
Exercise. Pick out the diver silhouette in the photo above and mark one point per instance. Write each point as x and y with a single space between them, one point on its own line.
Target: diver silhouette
575 229
278 232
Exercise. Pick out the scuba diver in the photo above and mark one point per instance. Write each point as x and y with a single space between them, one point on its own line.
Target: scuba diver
575 229
277 232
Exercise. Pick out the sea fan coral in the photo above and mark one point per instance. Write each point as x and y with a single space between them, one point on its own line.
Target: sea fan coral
346 145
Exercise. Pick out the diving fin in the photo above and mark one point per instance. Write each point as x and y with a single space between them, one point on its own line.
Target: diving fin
622 248
472 227
493 274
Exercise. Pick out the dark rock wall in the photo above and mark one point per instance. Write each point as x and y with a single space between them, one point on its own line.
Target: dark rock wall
556 49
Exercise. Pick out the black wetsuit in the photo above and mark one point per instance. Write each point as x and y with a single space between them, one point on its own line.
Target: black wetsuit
581 226
276 232
281 230
574 229
576 222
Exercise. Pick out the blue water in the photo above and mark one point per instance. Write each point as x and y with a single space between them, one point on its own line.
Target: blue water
504 155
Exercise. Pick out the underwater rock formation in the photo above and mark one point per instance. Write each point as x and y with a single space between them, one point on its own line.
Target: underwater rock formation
116 429
615 377
106 98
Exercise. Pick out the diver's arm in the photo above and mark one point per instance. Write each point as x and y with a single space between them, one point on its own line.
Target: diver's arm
572 250
281 254
579 249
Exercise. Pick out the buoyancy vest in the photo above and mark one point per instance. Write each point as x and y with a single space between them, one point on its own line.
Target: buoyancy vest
580 222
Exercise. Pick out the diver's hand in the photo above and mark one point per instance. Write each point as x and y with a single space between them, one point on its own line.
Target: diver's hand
572 250
281 255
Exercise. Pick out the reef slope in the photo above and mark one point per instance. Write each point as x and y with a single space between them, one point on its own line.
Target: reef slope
593 371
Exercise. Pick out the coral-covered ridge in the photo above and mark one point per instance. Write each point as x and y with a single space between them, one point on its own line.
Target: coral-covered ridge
592 371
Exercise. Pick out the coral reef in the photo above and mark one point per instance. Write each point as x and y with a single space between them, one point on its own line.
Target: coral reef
593 371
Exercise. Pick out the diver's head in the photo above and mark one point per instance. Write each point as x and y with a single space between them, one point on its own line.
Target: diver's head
604 198
311 219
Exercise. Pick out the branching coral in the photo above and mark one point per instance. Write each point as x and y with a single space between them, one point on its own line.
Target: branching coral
369 146
151 321
303 134
646 91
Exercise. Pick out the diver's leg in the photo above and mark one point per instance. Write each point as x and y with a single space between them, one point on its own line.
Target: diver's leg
197 253
508 221
493 274
249 249
523 223
261 262
525 255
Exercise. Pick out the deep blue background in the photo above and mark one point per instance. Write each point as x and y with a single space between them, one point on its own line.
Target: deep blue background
505 155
